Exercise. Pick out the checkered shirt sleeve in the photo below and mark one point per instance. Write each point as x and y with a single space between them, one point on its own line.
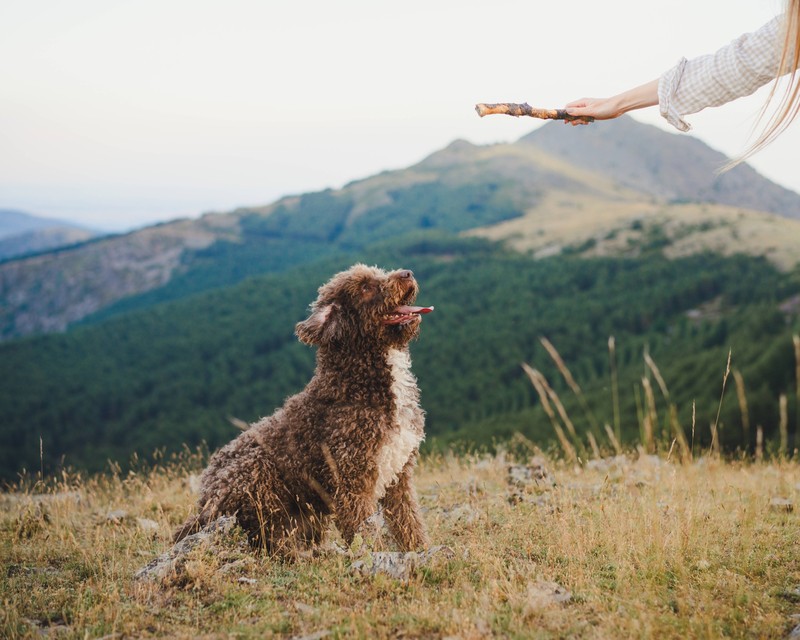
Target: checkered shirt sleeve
736 70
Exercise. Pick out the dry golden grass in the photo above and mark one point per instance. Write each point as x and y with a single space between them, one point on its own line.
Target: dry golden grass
647 547
622 225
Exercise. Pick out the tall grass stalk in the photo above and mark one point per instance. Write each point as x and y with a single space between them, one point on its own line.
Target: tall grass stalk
796 341
556 357
743 409
569 450
679 436
539 383
671 449
612 357
651 365
759 443
612 437
650 417
656 374
535 377
639 410
783 425
715 444
564 415
562 412
570 380
672 423
593 444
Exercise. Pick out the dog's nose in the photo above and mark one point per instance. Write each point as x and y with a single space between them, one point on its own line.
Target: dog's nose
405 274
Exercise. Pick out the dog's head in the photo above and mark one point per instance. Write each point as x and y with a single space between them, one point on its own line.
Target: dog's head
364 304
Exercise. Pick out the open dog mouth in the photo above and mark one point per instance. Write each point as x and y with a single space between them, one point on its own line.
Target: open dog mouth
405 314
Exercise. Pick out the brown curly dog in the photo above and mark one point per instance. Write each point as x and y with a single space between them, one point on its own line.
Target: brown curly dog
344 444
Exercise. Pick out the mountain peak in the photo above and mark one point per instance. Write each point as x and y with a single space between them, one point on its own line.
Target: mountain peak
672 167
456 151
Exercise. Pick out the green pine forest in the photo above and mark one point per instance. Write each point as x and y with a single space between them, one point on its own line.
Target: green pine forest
167 370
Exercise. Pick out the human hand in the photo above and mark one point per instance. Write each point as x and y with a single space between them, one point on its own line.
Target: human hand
596 108
645 95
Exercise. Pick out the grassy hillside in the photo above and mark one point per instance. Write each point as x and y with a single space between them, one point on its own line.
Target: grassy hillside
630 546
588 225
173 374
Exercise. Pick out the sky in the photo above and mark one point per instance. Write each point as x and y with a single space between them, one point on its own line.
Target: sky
119 113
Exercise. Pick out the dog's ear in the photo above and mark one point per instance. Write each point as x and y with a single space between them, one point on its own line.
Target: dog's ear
320 327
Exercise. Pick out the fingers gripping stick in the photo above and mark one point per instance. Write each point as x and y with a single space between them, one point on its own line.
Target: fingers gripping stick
524 109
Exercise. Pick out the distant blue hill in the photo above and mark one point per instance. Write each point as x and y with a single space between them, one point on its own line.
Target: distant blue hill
15 222
22 233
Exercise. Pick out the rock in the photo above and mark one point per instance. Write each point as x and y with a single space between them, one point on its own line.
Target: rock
317 635
305 609
613 466
51 626
170 562
544 594
462 513
793 595
241 565
472 488
145 524
13 499
534 473
649 460
398 564
528 478
116 516
781 504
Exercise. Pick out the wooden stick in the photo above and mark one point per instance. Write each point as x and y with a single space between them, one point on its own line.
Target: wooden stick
524 109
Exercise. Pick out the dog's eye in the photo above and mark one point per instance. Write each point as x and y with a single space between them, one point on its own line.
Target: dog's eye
368 290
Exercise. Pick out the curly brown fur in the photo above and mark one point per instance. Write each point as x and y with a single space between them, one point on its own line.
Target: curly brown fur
346 443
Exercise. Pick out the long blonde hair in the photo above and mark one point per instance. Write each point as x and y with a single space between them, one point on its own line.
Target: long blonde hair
789 103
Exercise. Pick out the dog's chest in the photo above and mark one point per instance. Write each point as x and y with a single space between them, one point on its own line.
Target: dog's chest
407 432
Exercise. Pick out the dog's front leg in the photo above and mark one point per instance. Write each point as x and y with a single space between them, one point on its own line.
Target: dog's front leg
352 510
401 512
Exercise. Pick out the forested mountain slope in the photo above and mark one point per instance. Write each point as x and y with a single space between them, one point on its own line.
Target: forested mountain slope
173 374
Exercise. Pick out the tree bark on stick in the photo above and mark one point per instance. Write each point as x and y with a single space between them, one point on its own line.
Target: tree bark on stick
524 109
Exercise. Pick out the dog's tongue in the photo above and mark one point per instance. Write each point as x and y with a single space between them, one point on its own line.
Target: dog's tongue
407 310
404 314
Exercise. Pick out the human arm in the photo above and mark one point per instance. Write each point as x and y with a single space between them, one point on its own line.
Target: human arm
734 71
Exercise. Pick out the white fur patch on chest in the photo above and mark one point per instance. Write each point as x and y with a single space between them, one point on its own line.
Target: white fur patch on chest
402 442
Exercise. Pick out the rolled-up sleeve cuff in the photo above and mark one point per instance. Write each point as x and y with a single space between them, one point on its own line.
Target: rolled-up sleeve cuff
667 88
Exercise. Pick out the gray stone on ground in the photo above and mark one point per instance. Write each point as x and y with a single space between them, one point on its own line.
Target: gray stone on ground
399 564
169 562
544 593
781 504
